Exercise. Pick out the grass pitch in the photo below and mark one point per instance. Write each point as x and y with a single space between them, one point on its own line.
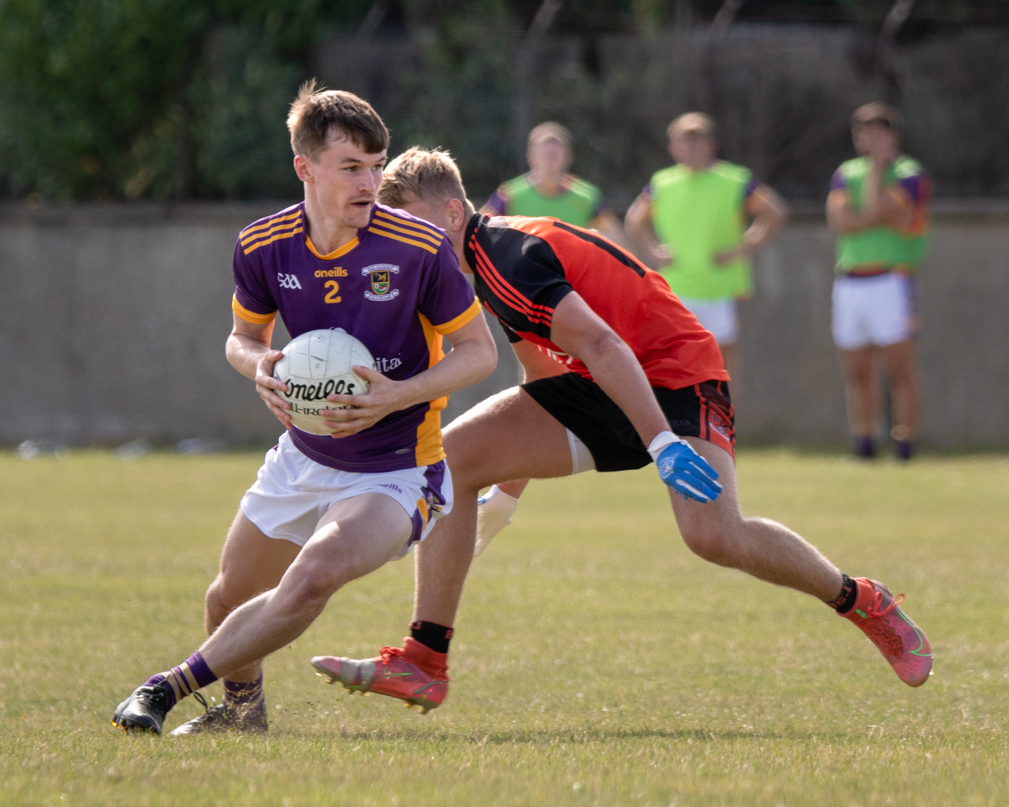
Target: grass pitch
597 662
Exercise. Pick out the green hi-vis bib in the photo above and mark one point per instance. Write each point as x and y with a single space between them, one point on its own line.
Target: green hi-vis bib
878 246
697 215
577 205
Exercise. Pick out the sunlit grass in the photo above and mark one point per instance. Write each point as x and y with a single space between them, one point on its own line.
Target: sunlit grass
596 661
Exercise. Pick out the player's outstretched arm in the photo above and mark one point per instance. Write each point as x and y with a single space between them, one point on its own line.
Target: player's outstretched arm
580 332
472 359
248 351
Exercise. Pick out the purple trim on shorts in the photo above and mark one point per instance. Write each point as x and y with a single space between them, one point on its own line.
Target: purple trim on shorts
434 477
418 527
913 303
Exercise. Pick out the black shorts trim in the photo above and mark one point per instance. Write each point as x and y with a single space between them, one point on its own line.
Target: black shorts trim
702 410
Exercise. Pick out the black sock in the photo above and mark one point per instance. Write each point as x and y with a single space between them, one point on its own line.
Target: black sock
432 635
846 598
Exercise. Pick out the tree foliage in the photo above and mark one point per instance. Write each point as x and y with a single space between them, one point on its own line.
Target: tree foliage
186 99
147 98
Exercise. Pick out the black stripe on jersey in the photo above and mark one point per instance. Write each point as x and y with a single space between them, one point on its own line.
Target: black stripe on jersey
603 244
523 262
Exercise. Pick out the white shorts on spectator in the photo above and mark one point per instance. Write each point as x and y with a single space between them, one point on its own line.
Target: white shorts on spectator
878 310
717 316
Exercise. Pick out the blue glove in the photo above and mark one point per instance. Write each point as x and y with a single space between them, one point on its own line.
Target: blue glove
683 469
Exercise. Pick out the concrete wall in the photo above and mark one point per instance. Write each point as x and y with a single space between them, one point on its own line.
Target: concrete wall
115 319
789 386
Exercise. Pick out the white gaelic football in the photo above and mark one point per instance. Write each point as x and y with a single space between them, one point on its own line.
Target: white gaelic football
317 364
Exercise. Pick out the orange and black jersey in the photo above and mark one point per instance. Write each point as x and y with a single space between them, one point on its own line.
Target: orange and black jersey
525 266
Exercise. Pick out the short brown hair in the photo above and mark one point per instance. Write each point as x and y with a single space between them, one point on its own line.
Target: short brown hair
693 123
421 175
876 113
550 131
319 116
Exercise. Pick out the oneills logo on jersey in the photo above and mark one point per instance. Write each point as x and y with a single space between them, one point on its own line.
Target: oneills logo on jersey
381 282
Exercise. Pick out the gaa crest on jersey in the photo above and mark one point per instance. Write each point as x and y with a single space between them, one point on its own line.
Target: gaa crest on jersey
380 275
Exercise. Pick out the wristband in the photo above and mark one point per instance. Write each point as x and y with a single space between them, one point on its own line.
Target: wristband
660 441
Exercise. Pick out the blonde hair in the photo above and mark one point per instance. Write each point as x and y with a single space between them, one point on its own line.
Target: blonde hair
550 131
421 175
318 117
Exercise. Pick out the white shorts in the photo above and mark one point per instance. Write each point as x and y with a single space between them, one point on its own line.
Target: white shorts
876 310
717 316
292 493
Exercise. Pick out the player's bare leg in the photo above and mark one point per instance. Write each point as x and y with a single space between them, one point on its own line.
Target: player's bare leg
904 393
251 563
861 396
355 537
507 437
718 532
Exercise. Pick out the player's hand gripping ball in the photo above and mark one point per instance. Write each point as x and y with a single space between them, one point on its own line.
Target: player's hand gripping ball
316 364
687 472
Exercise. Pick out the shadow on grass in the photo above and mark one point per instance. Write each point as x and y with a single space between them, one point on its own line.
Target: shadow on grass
574 736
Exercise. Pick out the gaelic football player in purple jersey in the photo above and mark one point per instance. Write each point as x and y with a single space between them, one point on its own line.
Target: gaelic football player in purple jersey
325 510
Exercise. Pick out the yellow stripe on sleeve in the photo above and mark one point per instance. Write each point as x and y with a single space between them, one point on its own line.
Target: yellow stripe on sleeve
465 317
410 241
267 225
410 228
251 316
277 237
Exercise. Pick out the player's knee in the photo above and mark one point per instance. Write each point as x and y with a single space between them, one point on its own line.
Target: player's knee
222 598
902 377
710 540
307 588
465 465
859 377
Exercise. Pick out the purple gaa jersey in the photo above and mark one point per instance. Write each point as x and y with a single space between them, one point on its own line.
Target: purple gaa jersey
396 287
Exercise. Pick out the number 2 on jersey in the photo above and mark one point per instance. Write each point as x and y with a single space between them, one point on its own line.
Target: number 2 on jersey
334 291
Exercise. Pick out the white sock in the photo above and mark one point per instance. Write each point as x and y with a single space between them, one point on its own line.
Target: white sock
493 514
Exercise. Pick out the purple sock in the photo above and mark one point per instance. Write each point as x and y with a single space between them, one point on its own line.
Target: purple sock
246 695
191 675
865 447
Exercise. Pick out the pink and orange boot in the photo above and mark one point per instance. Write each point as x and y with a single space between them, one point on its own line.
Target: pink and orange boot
414 673
901 642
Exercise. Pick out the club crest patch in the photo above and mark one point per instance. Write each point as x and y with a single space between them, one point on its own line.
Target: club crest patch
380 275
